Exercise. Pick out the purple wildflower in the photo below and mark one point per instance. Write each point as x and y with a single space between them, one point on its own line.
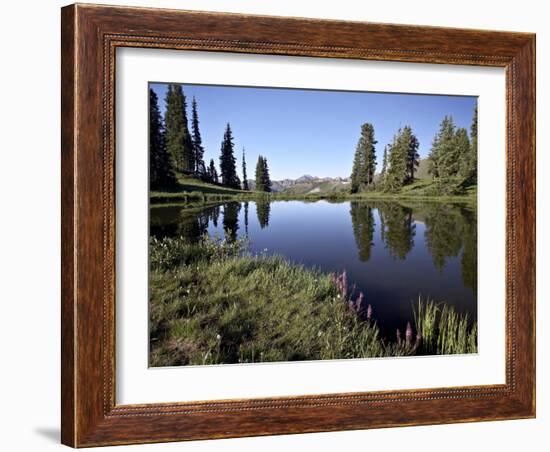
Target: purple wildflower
341 283
359 302
408 333
344 284
369 311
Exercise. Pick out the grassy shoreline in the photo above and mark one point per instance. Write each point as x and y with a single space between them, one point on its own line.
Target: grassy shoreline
213 303
196 191
161 199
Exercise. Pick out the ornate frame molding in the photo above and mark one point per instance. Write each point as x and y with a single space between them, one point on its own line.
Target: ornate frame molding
90 37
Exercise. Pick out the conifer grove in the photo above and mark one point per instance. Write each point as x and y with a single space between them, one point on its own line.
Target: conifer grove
176 150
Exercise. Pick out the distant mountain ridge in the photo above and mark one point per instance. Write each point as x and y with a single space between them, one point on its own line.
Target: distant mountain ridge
308 184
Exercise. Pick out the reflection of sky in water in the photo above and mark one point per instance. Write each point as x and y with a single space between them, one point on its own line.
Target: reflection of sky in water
321 234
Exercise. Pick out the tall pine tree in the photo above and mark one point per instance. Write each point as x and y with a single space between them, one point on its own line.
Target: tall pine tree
464 153
245 177
397 172
413 158
160 168
384 165
263 181
178 140
469 166
228 170
266 177
444 158
364 162
259 173
213 173
198 150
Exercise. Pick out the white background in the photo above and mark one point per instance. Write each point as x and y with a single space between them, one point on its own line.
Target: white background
137 384
29 232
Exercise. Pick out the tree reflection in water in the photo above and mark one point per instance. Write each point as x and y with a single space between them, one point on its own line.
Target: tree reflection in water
450 229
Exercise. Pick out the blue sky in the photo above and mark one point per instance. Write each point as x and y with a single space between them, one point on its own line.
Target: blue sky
312 131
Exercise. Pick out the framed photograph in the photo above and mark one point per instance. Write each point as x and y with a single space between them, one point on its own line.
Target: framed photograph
281 225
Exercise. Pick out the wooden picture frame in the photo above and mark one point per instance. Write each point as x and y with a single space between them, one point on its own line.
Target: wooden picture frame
90 35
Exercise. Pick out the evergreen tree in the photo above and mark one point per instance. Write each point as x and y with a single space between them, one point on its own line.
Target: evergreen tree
178 140
259 173
397 172
384 165
212 173
444 159
464 153
198 150
228 169
469 164
364 162
245 177
208 175
263 181
267 178
413 158
160 169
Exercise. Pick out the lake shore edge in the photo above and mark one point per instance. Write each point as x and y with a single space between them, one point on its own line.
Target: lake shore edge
164 198
214 303
192 190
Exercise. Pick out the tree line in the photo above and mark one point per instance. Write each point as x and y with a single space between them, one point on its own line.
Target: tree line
175 148
452 159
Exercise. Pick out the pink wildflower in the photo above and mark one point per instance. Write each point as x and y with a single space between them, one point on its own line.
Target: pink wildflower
344 281
359 302
408 333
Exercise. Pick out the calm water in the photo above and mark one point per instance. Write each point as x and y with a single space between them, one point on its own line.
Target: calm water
392 252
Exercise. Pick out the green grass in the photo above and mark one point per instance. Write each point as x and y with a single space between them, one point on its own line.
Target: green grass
426 190
443 330
190 184
211 303
418 186
192 189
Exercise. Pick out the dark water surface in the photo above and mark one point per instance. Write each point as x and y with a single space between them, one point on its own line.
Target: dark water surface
392 251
